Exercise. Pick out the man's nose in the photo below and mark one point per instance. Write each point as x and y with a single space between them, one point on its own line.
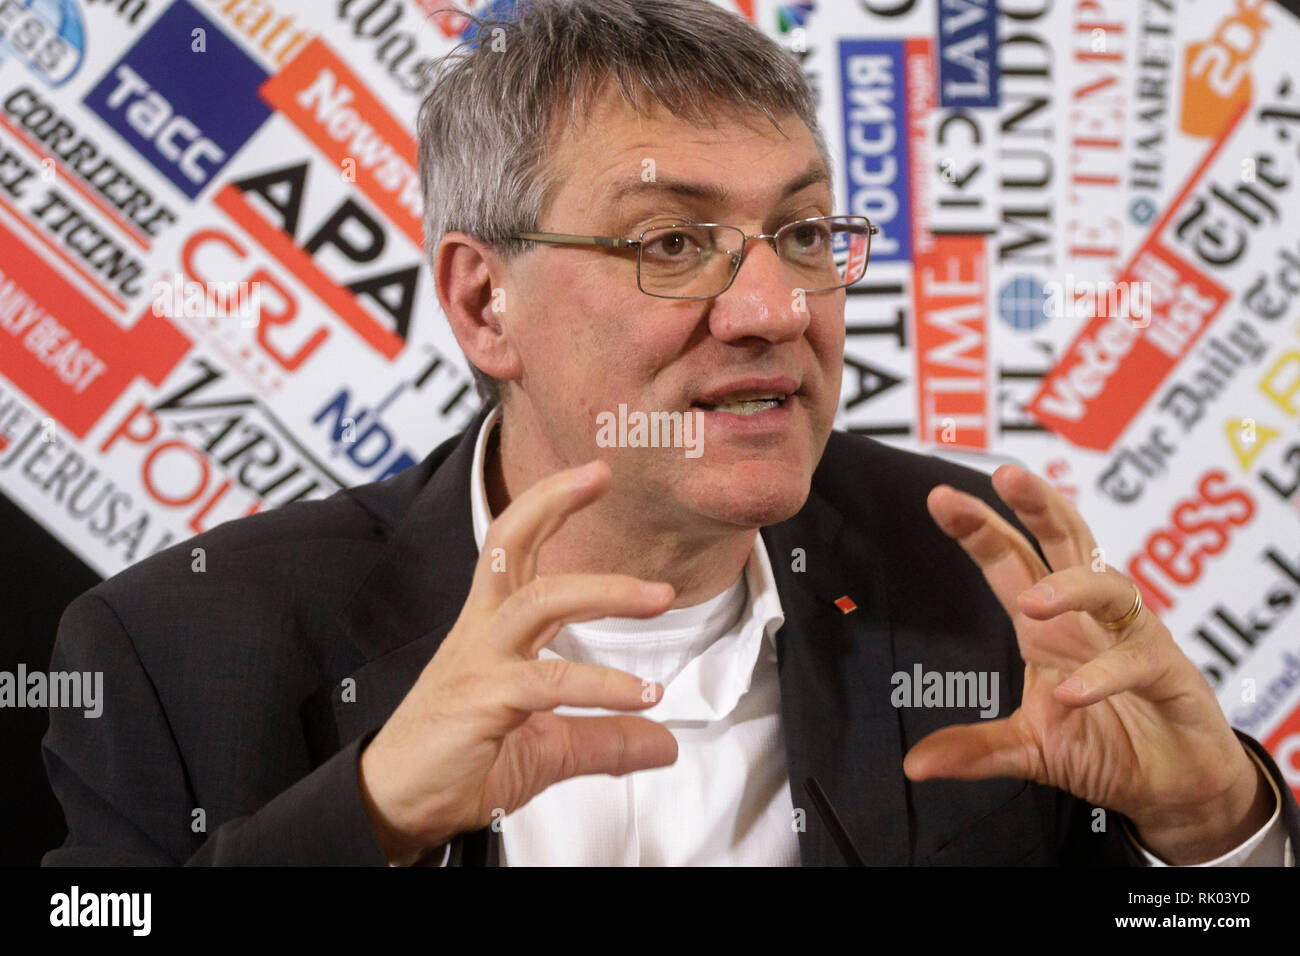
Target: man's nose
762 301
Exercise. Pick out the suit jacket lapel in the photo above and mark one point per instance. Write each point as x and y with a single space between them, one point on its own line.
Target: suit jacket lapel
835 670
413 594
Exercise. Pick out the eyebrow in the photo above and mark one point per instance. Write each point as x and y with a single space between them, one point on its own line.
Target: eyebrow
709 192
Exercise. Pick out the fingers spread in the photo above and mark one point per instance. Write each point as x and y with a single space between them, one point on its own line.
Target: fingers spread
509 556
971 752
574 746
545 685
1049 516
531 616
1007 560
1105 595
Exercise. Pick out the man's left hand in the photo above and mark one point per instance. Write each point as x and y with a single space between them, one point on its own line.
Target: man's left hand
1121 719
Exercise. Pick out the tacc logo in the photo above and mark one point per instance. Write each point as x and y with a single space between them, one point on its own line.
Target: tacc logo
158 97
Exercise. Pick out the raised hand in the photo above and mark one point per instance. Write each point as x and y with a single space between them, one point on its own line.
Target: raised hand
476 734
1120 718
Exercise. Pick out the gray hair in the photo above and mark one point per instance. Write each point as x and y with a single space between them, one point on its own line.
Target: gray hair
484 124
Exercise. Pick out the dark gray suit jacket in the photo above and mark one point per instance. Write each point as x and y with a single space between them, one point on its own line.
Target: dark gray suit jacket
222 688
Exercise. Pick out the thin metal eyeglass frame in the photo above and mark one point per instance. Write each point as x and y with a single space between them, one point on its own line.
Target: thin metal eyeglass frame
614 242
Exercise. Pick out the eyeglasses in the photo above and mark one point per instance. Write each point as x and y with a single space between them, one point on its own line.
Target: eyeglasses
700 260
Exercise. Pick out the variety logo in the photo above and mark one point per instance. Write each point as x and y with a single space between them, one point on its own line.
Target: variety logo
158 96
46 35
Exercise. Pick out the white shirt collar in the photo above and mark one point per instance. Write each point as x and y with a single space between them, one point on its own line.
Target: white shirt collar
711 685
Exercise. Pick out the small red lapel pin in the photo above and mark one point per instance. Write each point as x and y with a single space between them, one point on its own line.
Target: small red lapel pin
845 604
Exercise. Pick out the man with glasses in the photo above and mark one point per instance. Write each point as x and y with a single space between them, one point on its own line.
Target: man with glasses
534 649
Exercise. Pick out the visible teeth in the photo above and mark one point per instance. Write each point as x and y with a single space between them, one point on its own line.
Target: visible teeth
752 407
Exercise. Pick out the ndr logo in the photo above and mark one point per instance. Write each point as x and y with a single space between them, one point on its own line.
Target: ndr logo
47 35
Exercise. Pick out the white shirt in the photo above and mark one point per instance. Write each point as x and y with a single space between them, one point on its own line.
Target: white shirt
726 800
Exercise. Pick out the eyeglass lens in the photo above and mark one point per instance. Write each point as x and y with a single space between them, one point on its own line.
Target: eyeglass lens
699 260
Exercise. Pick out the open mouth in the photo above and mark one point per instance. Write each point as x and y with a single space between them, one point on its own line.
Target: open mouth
744 404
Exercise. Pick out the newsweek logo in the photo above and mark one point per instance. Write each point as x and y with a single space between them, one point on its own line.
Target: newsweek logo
320 95
159 98
46 36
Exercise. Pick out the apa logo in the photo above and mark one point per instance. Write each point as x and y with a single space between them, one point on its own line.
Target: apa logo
46 35
158 96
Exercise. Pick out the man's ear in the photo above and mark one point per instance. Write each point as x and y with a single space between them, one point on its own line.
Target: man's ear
473 284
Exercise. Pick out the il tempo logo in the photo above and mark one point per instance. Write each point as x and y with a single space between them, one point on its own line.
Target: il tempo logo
158 96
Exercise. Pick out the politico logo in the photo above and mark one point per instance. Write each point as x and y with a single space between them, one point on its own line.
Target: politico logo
158 96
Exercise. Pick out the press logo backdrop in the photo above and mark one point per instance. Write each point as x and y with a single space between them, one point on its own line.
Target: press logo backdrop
1089 262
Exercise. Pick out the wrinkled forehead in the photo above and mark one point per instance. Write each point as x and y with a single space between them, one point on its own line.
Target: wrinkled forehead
617 155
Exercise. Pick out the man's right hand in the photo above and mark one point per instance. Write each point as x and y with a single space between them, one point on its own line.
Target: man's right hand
475 737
